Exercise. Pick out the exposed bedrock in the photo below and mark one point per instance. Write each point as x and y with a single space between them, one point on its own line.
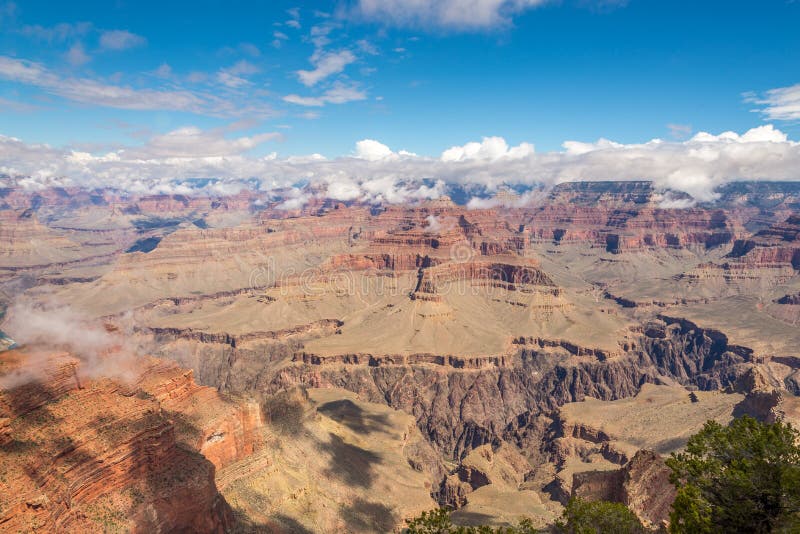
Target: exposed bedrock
778 245
508 276
460 406
642 484
634 227
93 455
327 326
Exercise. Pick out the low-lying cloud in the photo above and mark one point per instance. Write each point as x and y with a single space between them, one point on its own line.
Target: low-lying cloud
52 328
375 172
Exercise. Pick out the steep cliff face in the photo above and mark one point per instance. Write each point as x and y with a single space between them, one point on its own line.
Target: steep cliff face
776 248
680 349
642 484
464 402
223 430
479 325
612 450
460 410
630 226
95 455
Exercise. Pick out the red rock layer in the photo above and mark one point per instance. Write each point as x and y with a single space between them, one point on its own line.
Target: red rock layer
89 455
776 246
633 228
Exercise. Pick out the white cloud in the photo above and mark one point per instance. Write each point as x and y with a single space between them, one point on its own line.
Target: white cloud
447 14
432 224
379 174
296 200
250 49
235 75
197 77
761 134
679 131
58 33
163 71
490 148
294 21
13 105
671 201
120 40
77 55
325 64
576 148
507 200
24 71
372 150
191 142
367 47
343 189
94 92
243 67
304 100
781 104
278 38
338 94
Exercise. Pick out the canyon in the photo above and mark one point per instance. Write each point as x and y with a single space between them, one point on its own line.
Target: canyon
187 363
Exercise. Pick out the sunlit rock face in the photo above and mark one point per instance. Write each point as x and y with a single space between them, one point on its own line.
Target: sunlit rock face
187 362
91 454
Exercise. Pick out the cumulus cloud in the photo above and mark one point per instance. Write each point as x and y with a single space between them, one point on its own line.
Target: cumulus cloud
762 134
781 104
120 40
91 91
372 150
490 148
343 189
374 172
447 14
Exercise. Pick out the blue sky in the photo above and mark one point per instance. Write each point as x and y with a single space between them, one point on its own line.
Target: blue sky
318 77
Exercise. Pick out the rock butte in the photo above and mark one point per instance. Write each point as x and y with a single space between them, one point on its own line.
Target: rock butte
341 367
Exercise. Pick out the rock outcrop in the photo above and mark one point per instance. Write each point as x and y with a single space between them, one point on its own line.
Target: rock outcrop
94 454
642 484
484 357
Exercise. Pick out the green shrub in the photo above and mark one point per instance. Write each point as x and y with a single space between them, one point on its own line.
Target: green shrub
741 478
597 517
438 522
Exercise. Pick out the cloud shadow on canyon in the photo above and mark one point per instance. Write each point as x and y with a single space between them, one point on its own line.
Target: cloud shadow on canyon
350 463
351 415
368 516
